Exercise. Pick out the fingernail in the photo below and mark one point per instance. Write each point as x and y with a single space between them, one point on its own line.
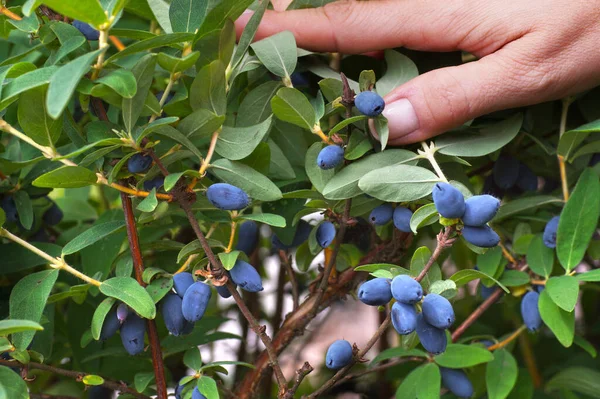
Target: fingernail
402 118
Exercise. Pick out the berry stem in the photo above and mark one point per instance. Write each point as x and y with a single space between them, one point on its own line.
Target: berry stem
231 237
9 13
163 98
117 42
319 132
508 339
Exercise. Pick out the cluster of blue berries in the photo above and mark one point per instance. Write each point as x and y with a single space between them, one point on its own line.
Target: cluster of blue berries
475 213
132 327
400 215
509 175
51 217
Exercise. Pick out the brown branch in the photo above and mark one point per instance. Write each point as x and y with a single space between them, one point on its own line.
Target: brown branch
302 372
136 254
44 396
485 305
443 241
375 369
76 375
286 260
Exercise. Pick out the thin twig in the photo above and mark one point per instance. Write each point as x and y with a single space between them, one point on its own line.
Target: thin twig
136 254
443 241
508 339
286 260
381 367
301 373
485 305
76 375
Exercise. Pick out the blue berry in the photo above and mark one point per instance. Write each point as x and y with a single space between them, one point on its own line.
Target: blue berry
527 180
457 382
402 218
10 208
181 282
538 288
122 312
404 318
87 31
339 354
325 234
486 291
246 276
53 215
375 292
173 314
223 291
369 103
197 395
406 289
227 197
433 339
179 391
480 209
506 172
530 311
595 159
132 334
448 200
438 311
301 235
550 232
110 326
195 301
382 214
330 157
247 237
139 163
100 392
156 183
483 236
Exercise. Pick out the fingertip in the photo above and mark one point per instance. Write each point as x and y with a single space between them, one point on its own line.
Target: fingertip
242 21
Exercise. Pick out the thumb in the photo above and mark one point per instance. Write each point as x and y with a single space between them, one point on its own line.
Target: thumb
445 98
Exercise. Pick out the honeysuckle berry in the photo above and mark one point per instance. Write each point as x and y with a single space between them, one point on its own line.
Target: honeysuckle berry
110 325
139 163
550 231
401 217
530 311
375 292
246 276
195 301
154 183
448 200
53 215
506 172
227 197
527 180
325 234
132 334
406 289
247 237
301 235
88 32
172 312
457 382
481 236
181 282
369 103
480 209
330 157
381 214
438 311
404 318
338 355
433 339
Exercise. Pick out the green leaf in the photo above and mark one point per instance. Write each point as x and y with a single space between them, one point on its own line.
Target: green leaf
12 384
149 203
540 258
89 11
514 278
99 316
491 262
277 53
525 204
150 43
193 359
266 218
24 208
445 288
563 290
66 177
501 374
208 387
483 141
236 143
430 381
18 259
224 10
200 123
187 15
2 217
122 81
411 385
347 122
12 326
397 352
462 277
34 119
318 177
160 9
424 216
27 301
398 183
366 80
228 259
585 345
358 145
256 106
578 220
591 276
345 183
133 107
561 322
458 356
253 183
208 89
578 379
280 167
418 262
571 139
64 81
179 137
159 287
248 34
291 106
127 290
92 380
400 69
142 380
175 64
92 235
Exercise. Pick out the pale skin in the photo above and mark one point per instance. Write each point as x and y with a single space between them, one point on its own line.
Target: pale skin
529 52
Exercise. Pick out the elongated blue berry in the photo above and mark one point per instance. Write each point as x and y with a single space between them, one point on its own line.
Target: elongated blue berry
433 339
247 237
527 180
404 318
550 232
132 334
179 391
181 282
530 311
301 235
188 327
330 157
448 200
9 207
486 291
246 276
438 311
480 209
325 234
195 301
223 291
506 172
401 218
155 183
122 312
339 354
369 103
227 197
197 395
110 326
483 236
88 32
406 289
53 215
457 382
375 292
382 214
139 163
172 313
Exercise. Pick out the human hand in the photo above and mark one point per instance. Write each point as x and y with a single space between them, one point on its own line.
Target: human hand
529 52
